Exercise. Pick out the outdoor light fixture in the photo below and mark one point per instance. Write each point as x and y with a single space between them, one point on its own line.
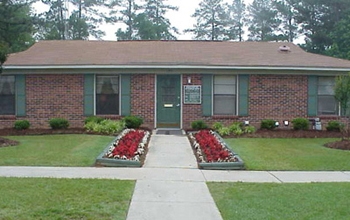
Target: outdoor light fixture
286 123
246 123
189 80
277 124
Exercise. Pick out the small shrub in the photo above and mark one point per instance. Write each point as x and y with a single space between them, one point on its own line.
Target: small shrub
22 124
105 127
224 131
249 129
217 126
300 124
236 128
59 123
133 121
268 124
334 126
199 125
93 119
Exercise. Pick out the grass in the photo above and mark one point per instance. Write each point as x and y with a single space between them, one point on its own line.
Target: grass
282 201
38 198
54 150
289 154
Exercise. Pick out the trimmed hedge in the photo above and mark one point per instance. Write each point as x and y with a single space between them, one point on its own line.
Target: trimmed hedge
59 123
21 124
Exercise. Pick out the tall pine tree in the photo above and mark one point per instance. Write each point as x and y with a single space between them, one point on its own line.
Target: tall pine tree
155 11
286 13
237 18
80 22
318 19
211 21
86 18
263 22
16 25
124 11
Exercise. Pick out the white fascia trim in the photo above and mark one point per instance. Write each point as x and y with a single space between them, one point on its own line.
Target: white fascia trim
172 67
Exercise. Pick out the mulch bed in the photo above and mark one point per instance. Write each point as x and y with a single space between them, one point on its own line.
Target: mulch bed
278 133
341 145
6 142
284 133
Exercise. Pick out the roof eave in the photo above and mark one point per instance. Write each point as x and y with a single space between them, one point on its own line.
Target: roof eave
206 67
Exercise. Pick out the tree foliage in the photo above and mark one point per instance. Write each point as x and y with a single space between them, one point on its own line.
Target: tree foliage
317 19
16 25
286 13
341 39
60 23
263 21
155 11
342 92
124 11
237 17
211 21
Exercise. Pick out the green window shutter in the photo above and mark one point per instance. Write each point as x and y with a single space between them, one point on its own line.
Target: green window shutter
89 81
243 94
207 84
20 95
125 94
312 96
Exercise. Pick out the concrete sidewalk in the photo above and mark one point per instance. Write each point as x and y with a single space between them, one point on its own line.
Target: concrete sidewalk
177 174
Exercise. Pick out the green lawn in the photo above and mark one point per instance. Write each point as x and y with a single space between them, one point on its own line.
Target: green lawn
282 201
54 150
289 154
38 198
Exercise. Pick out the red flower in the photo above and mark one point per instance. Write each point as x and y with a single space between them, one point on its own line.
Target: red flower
212 149
128 144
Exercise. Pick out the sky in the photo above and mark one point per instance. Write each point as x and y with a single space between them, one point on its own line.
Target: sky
180 19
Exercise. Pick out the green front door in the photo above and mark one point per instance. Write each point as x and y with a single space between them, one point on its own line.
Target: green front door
168 101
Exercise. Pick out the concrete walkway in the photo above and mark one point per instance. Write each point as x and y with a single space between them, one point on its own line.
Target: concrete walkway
174 198
170 186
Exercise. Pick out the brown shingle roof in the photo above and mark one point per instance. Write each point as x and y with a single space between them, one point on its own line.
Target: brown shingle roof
168 53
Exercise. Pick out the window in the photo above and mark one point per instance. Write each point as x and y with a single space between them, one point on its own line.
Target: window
327 105
7 95
225 90
107 95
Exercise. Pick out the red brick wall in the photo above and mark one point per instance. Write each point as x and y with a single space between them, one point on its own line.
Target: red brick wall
143 98
278 97
275 97
54 96
51 96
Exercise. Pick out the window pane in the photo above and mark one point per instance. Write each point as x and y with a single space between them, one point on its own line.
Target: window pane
225 89
224 104
107 95
326 85
107 84
7 85
7 95
225 79
327 105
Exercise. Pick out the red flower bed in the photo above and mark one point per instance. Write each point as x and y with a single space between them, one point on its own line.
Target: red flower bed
211 148
128 145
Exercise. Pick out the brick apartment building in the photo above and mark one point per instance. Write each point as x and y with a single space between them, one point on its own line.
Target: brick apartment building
168 83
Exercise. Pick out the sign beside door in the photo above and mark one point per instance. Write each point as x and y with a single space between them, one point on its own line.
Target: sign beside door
192 94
